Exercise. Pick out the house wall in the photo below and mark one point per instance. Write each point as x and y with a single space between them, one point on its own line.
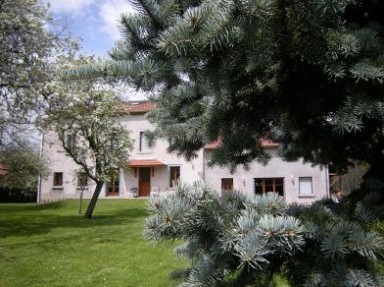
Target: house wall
189 171
244 180
128 179
192 171
60 162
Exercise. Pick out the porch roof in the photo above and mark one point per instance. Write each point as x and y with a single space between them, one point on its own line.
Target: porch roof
145 162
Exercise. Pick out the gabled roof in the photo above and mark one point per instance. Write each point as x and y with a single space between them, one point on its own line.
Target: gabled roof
136 108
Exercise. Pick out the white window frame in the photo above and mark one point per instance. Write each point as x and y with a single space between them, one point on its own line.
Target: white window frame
143 142
305 186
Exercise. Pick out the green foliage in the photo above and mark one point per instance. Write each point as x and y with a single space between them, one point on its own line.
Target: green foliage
84 115
240 240
21 166
28 50
306 73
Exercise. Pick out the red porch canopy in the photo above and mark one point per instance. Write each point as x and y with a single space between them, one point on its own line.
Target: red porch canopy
145 163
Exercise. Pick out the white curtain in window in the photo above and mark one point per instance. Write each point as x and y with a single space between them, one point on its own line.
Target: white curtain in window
143 142
305 185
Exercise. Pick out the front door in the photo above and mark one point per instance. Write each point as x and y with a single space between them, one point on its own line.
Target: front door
144 181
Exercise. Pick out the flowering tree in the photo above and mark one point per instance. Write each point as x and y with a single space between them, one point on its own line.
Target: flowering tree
27 59
84 116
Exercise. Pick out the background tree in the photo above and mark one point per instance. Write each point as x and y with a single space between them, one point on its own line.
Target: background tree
28 45
85 117
21 165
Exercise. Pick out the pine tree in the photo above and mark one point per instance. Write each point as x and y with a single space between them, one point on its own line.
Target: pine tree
308 74
238 239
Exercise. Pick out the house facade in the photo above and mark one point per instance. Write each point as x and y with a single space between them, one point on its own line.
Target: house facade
153 171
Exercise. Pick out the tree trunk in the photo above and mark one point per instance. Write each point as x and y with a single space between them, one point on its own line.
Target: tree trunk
92 203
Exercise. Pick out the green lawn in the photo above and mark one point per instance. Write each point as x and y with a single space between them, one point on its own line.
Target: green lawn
52 245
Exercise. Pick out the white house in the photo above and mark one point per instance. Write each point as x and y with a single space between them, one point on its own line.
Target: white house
152 170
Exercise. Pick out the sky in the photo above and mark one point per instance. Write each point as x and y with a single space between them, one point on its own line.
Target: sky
94 21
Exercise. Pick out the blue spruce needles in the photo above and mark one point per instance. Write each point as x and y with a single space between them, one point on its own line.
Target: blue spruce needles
239 239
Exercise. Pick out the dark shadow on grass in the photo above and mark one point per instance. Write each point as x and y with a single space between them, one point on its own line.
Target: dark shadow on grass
23 207
34 223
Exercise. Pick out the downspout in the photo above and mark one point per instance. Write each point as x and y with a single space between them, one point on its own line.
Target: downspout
204 160
39 179
327 192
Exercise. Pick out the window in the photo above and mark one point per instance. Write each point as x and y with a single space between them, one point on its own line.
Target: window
174 175
305 186
70 142
57 179
226 184
113 185
263 185
143 142
82 179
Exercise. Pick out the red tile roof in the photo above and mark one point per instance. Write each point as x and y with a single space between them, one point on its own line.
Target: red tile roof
213 145
267 143
135 108
263 142
145 163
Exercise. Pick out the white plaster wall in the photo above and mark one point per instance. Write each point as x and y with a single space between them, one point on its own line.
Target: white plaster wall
60 162
189 171
244 180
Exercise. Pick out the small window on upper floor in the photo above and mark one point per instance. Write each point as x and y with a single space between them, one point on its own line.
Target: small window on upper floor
57 179
143 142
70 142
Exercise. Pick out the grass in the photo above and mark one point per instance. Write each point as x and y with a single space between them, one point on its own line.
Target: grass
52 245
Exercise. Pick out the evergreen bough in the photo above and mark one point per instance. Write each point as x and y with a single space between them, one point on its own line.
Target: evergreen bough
308 74
246 240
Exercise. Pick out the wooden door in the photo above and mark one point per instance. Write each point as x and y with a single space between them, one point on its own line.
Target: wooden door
144 181
113 186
